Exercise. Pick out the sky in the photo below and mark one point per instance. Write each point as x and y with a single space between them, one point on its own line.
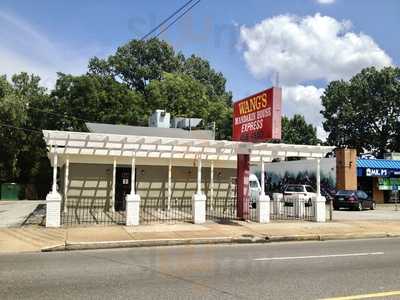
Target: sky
300 44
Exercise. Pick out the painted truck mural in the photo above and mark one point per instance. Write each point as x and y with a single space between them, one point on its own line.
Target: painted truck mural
279 174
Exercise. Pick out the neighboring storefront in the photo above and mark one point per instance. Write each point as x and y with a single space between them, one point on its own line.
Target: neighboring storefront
380 178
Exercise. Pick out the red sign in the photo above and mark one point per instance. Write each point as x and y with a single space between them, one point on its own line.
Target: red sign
257 118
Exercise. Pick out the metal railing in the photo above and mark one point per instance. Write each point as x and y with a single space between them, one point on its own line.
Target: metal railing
292 208
91 211
155 210
222 209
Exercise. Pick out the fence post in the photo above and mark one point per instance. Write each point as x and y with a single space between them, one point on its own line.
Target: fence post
263 206
263 209
199 199
53 199
319 201
132 201
278 203
320 209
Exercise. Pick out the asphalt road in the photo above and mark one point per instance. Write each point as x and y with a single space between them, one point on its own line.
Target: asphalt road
308 270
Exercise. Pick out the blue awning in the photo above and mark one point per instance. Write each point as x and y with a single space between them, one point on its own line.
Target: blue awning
378 164
378 168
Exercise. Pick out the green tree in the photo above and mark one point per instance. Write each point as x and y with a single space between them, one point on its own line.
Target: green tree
12 114
364 113
183 96
184 86
23 155
93 98
295 130
215 82
137 63
32 162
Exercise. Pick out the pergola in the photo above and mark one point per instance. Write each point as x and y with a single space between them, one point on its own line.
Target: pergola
83 147
66 143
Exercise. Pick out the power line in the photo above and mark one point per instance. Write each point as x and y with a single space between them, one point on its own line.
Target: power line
178 18
58 115
167 19
20 128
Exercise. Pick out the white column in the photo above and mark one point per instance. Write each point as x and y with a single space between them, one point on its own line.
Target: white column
113 184
55 162
133 182
169 184
66 182
212 184
199 176
53 199
318 177
199 199
263 208
132 200
262 177
319 201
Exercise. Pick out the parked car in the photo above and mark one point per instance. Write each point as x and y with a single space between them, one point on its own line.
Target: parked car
301 189
353 199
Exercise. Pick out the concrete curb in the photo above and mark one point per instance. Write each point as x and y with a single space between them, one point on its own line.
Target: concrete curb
213 240
137 243
351 236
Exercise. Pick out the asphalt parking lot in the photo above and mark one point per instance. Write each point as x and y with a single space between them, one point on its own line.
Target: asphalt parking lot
382 212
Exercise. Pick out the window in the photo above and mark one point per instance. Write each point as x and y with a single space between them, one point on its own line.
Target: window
309 189
344 193
295 188
253 184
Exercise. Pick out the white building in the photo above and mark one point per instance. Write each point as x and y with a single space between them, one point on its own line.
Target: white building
179 175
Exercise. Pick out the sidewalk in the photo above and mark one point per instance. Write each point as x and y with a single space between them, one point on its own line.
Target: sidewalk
14 213
28 239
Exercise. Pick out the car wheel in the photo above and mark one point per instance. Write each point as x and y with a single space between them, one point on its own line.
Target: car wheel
336 207
373 206
359 207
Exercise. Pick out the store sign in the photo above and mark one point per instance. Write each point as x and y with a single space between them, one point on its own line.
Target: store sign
257 118
376 172
396 173
388 184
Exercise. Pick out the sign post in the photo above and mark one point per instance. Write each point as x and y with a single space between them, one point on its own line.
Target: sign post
256 118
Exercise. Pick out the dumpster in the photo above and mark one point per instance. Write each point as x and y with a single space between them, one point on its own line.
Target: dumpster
10 191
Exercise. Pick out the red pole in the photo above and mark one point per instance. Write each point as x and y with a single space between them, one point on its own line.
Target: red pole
243 172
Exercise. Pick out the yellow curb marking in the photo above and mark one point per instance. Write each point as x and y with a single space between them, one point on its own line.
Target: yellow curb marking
366 296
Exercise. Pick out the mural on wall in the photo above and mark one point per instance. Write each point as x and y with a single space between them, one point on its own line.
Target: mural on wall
279 174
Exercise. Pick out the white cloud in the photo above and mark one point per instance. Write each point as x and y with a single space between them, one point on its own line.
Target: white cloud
306 101
310 48
24 48
307 49
325 1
